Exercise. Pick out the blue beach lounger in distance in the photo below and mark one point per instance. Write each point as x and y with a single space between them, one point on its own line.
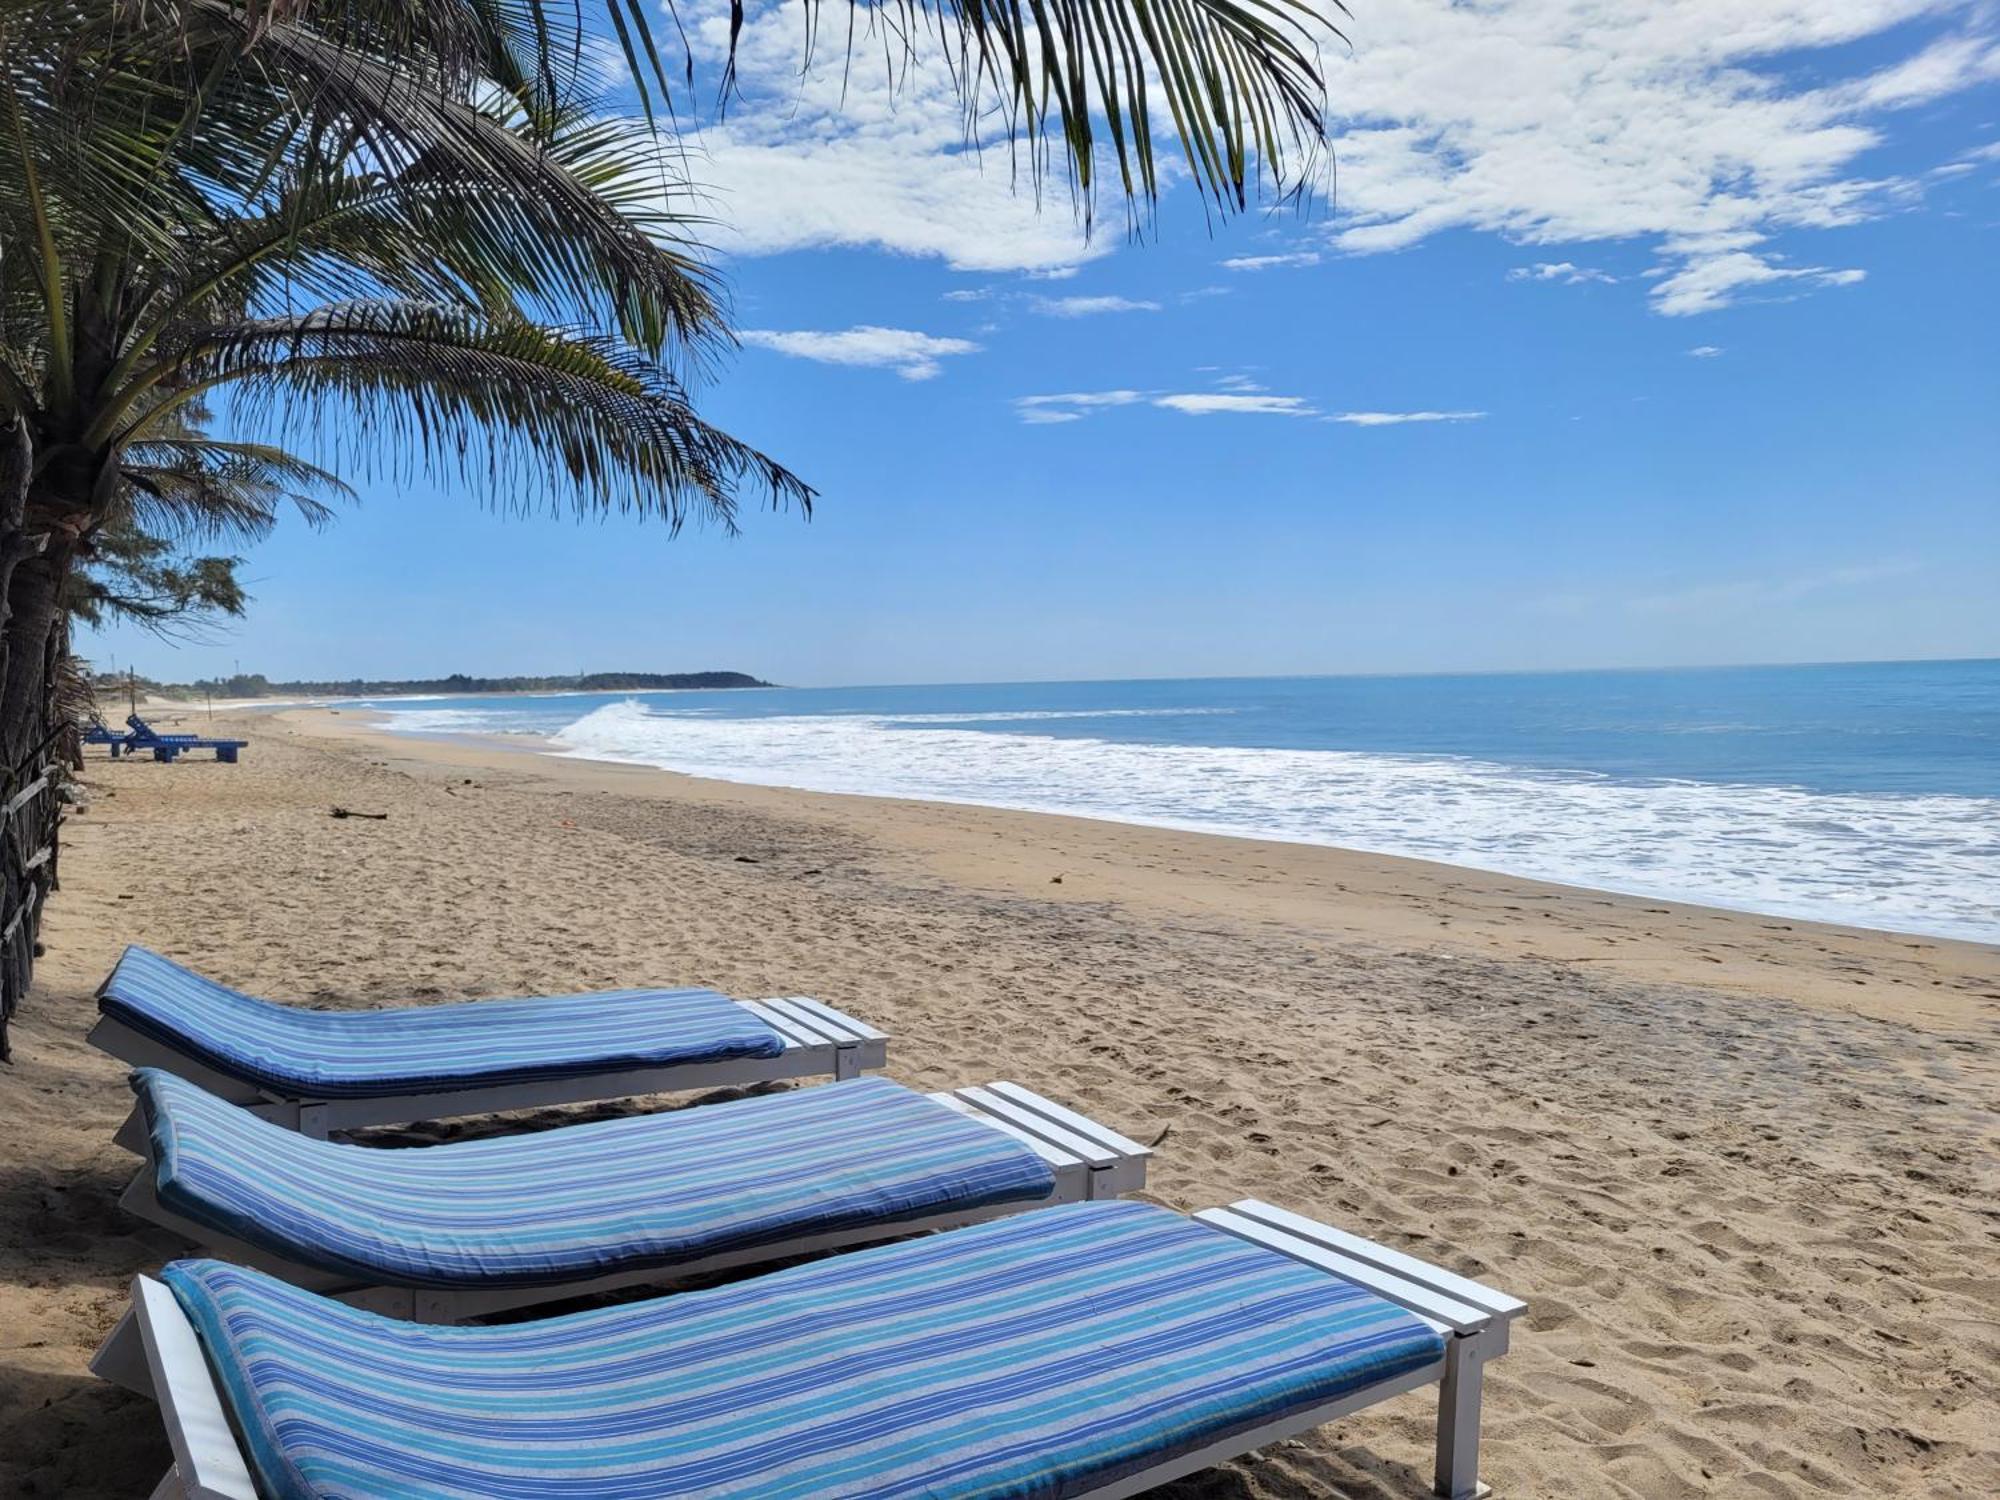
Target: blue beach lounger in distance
1096 1349
322 1070
169 747
100 733
446 1232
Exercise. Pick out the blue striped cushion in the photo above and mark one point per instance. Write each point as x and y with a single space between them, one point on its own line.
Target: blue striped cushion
328 1054
583 1200
1031 1356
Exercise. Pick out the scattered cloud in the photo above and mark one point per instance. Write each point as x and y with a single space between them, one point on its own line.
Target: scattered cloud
970 294
1210 403
1715 132
1561 270
1271 262
1241 396
604 63
1072 406
1705 351
1088 307
1703 285
912 355
1398 418
876 157
1622 120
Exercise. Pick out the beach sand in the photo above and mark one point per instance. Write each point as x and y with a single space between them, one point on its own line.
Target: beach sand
1743 1168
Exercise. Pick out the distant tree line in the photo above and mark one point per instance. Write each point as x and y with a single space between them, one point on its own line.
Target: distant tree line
113 686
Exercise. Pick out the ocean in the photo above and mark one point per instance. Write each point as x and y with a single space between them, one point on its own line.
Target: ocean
1864 794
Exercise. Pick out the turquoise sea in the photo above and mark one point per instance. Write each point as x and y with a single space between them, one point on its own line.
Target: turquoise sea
1867 794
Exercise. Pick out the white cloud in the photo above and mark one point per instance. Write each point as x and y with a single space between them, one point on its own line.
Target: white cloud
1088 307
875 157
1583 121
1703 285
969 294
1241 396
1563 271
912 355
1209 403
1071 406
1705 351
1271 262
1398 418
1944 67
1713 131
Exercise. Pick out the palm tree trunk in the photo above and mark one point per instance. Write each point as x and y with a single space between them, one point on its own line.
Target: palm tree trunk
22 563
16 548
34 596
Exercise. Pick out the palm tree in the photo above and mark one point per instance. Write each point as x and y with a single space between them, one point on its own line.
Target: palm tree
396 227
182 489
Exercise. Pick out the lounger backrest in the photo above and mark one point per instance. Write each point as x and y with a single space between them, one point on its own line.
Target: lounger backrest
583 1199
321 1054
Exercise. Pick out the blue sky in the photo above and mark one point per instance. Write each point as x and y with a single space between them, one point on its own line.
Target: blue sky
1633 338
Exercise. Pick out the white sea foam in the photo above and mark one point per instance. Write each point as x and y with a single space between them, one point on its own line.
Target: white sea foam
1913 863
446 720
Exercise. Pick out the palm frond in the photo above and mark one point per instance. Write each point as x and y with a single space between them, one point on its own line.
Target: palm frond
202 488
531 170
1239 81
539 417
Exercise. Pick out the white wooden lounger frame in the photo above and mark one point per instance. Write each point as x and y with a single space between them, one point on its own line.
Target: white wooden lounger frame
209 1464
1090 1161
818 1040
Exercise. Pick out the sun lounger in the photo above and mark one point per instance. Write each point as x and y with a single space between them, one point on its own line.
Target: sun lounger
321 1070
1096 1349
168 747
447 1232
100 733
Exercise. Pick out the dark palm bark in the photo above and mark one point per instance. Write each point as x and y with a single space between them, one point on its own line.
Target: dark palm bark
18 546
34 598
21 831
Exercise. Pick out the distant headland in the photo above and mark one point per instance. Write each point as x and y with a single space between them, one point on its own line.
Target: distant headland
256 685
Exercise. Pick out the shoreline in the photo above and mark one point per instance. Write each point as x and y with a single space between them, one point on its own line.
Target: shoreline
532 743
1945 982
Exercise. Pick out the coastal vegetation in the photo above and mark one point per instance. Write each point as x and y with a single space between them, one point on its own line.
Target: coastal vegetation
257 685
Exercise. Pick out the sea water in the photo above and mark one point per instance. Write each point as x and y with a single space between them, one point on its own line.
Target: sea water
1865 794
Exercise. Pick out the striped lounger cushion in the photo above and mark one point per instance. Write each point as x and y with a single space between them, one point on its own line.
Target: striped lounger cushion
326 1054
1032 1356
583 1200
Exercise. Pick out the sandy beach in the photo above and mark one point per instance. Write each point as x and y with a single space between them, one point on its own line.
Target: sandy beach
1742 1167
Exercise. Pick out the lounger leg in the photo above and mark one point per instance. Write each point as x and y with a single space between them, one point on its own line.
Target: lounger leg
1458 1421
170 1487
121 1358
846 1063
313 1122
131 1135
